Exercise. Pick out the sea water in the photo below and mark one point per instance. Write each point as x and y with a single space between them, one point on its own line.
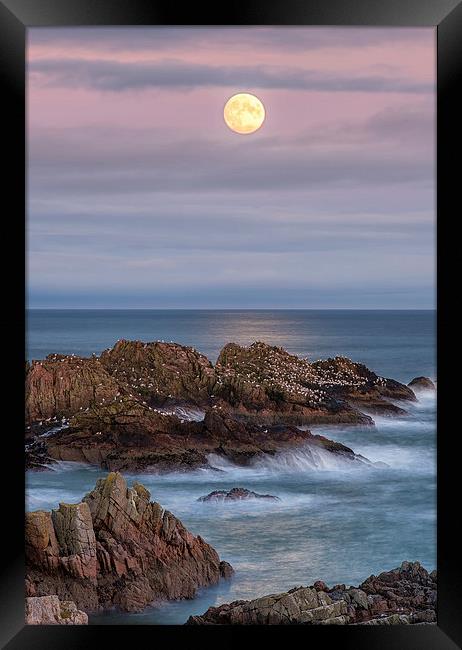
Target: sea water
334 521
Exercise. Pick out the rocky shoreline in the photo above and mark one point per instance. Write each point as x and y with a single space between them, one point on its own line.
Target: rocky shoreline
127 409
164 407
116 548
403 596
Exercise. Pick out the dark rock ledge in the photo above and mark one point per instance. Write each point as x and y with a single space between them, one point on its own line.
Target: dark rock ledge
236 494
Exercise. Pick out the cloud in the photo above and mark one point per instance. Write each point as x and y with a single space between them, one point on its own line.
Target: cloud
172 38
391 148
155 204
116 76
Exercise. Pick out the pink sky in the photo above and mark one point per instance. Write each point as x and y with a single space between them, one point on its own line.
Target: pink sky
349 121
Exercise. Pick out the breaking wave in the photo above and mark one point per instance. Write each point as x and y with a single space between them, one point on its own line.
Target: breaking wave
304 459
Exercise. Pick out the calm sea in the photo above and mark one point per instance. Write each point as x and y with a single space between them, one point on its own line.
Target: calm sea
399 344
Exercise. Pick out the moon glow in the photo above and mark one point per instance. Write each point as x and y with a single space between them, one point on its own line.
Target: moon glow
244 113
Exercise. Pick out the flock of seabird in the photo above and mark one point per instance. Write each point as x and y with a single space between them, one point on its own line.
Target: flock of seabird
258 367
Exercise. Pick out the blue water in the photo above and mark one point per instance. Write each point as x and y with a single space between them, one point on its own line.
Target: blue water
399 344
334 521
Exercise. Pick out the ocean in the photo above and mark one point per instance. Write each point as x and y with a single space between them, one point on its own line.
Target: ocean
334 521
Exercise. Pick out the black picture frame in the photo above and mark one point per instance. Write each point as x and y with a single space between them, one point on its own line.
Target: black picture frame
18 15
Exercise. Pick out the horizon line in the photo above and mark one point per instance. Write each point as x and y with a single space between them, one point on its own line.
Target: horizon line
230 309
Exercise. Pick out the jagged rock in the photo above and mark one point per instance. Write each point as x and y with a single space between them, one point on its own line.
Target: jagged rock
302 605
116 548
410 588
422 383
236 494
359 597
273 385
162 372
49 610
406 595
111 410
261 381
226 570
60 385
128 436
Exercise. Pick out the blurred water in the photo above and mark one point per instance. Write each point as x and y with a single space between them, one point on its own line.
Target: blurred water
335 521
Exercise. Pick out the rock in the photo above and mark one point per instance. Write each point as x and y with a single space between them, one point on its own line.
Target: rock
302 605
274 385
359 597
60 385
162 372
394 619
236 494
116 548
261 381
422 383
127 436
111 410
226 570
406 595
49 610
36 456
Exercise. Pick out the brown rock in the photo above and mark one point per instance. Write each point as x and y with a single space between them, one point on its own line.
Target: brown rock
226 570
49 610
125 435
422 383
263 382
254 396
406 595
162 372
273 385
116 548
61 385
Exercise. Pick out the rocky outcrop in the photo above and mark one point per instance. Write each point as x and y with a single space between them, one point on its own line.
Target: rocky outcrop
116 548
421 383
127 436
61 385
161 372
236 494
300 605
49 610
126 410
406 595
260 381
408 590
273 385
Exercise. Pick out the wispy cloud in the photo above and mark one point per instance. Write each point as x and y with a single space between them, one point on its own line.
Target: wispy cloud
139 195
119 77
154 39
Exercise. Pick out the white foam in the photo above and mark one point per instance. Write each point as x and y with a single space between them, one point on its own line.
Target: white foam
304 459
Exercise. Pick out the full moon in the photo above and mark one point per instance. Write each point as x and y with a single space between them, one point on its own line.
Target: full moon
244 113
